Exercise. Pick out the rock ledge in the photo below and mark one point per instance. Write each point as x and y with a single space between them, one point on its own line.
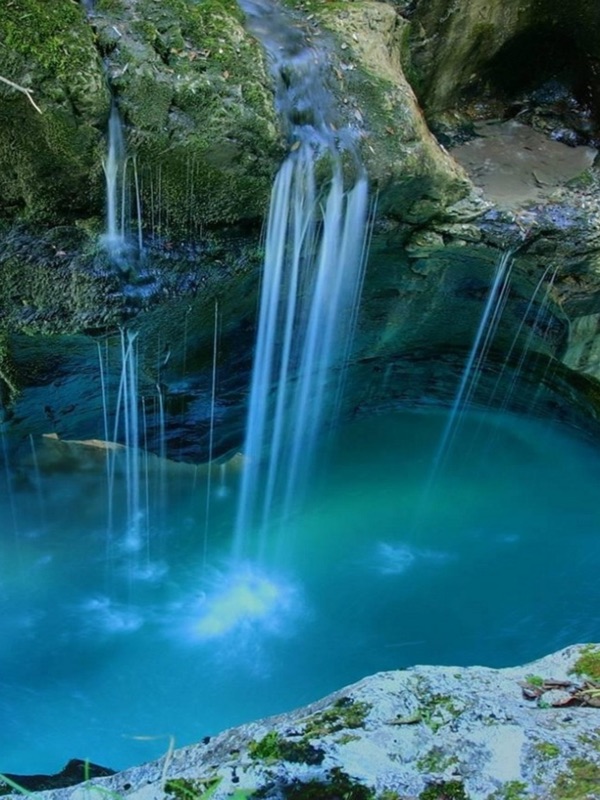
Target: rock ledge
428 732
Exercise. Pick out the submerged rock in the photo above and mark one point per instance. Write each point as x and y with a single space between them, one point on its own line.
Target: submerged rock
426 732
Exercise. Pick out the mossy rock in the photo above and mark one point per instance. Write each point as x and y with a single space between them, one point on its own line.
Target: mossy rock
414 178
50 162
197 104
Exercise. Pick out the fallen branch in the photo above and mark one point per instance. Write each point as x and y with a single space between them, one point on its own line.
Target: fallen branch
27 92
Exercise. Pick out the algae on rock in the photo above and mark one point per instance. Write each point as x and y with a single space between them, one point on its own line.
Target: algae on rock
192 88
50 163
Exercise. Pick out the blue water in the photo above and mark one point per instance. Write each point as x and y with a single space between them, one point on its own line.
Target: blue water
107 653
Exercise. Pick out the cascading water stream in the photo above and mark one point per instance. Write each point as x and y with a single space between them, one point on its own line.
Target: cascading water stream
485 332
311 282
116 238
114 166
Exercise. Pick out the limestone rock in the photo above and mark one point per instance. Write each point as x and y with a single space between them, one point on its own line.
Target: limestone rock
425 732
415 178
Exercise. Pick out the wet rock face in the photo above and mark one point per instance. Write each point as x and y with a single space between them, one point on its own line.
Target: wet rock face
196 97
197 104
540 57
193 92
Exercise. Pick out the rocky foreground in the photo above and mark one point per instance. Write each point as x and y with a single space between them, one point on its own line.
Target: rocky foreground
432 733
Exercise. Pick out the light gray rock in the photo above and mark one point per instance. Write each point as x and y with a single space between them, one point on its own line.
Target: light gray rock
412 732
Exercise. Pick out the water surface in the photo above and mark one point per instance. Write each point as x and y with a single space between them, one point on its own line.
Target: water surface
107 651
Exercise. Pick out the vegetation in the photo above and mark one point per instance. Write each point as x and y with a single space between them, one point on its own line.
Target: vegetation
437 710
344 713
579 783
184 789
588 663
444 790
547 749
534 680
274 747
337 786
512 790
53 37
436 760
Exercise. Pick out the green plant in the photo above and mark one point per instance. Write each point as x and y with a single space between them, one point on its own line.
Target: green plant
579 783
273 747
184 789
534 680
547 749
435 760
338 786
344 713
588 663
444 790
437 710
267 748
512 790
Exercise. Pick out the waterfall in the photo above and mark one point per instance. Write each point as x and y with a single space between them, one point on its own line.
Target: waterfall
114 169
486 330
312 274
118 195
127 405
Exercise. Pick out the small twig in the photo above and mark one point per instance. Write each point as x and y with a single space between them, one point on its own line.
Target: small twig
27 92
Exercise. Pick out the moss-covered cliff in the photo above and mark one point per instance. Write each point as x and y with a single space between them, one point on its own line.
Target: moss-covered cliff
50 163
197 104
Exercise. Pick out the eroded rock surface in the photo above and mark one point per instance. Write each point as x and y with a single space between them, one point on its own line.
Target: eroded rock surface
432 733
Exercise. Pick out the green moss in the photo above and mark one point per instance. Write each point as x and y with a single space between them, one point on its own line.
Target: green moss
547 749
344 713
267 748
535 680
45 288
338 786
52 36
200 117
50 165
274 747
437 710
444 790
579 783
511 790
185 789
436 760
588 663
